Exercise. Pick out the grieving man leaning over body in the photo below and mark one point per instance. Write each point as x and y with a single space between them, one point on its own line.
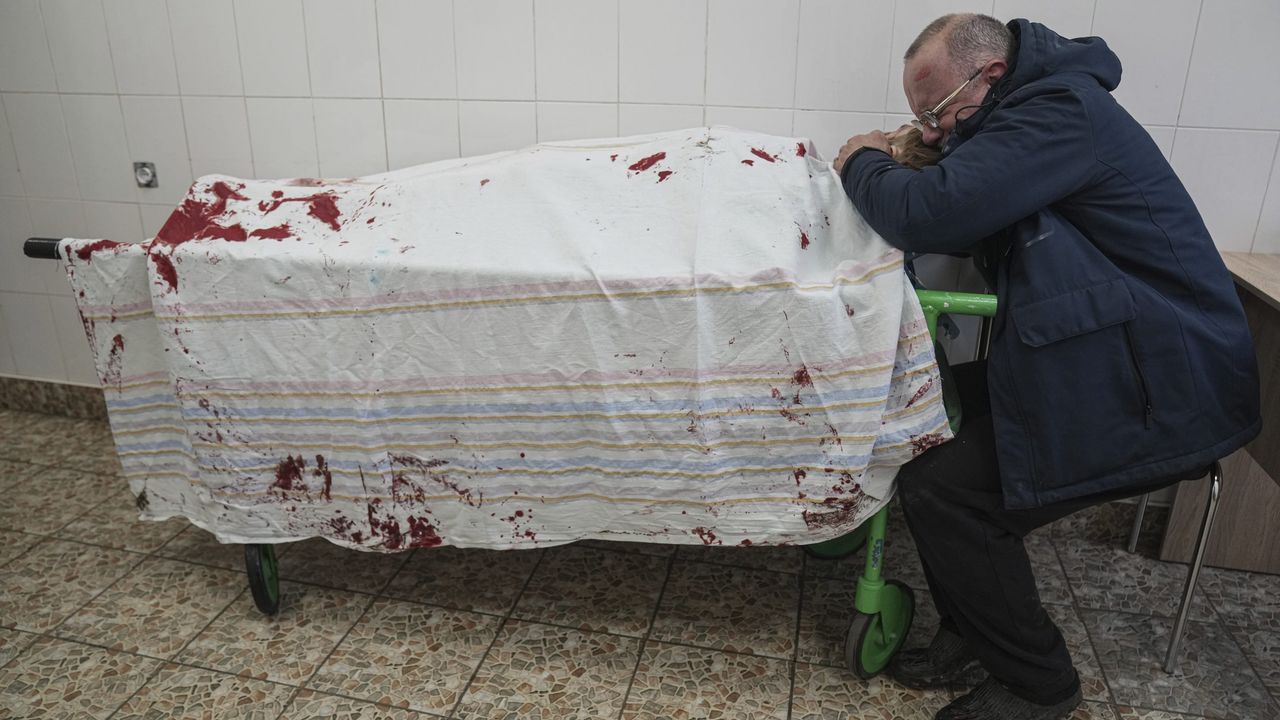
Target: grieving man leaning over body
1120 361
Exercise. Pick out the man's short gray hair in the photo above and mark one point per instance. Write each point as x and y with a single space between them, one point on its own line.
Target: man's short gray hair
971 39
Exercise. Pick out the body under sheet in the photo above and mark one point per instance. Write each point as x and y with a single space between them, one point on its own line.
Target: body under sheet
687 337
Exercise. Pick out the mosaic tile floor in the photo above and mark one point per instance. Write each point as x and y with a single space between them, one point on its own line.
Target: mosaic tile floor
102 616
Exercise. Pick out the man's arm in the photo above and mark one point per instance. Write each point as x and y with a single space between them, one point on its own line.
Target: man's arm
1028 155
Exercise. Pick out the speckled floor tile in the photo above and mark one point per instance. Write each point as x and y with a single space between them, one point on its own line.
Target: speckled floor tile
734 609
1109 524
156 608
13 472
311 705
1242 599
541 672
14 543
778 559
674 682
286 648
1211 677
825 614
594 590
93 457
1111 578
1093 684
36 439
57 679
52 498
1262 648
1128 713
823 693
659 549
41 588
183 692
1093 711
1051 581
320 562
408 655
478 580
195 545
13 642
115 523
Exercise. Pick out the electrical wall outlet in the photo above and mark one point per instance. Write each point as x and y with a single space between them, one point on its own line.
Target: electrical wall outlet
145 174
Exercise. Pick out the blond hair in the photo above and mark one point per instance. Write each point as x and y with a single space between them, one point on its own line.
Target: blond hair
909 149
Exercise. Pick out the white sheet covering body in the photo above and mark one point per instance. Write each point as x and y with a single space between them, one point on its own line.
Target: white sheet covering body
687 337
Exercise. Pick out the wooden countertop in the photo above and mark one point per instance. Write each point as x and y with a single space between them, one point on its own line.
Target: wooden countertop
1258 272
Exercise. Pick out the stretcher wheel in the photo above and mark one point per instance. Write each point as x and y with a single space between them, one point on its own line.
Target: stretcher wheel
874 638
264 581
842 546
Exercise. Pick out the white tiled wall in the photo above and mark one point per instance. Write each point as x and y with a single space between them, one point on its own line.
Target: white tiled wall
347 87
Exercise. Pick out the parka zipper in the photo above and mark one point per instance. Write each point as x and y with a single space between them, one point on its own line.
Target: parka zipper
1142 377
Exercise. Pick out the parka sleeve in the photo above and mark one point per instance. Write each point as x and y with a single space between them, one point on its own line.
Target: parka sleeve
1027 155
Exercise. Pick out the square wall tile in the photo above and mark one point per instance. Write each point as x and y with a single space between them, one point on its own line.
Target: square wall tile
751 52
1226 172
342 45
765 120
1235 38
273 48
1068 18
15 268
494 41
415 40
54 219
158 134
77 34
350 137
95 127
662 51
114 221
420 131
576 121
40 141
144 65
1267 239
488 127
577 47
10 178
155 216
25 64
1154 72
282 134
843 58
32 336
204 44
643 119
76 355
218 136
8 365
909 19
830 130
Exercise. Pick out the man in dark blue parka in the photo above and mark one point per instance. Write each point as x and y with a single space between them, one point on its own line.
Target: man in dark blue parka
1120 359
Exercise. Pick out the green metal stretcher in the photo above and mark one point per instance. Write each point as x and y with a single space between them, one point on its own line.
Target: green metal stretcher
883 609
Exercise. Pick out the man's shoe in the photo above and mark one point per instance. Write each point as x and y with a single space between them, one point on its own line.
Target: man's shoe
946 661
991 701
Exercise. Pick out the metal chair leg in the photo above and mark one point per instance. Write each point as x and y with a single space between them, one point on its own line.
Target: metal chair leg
1137 523
1193 573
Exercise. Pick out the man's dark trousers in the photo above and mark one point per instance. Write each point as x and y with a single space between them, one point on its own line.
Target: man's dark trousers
974 559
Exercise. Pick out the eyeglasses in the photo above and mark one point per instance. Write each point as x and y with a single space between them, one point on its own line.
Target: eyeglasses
929 118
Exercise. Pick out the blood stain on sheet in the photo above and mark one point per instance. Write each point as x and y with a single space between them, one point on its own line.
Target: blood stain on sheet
802 378
748 162
708 537
166 270
114 360
848 310
920 393
422 534
843 511
920 443
800 150
430 471
279 232
323 207
646 163
799 475
763 155
322 470
745 543
484 182
664 174
289 474
804 240
613 158
86 252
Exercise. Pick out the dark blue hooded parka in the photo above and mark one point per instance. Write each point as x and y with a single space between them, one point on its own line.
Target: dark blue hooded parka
1120 355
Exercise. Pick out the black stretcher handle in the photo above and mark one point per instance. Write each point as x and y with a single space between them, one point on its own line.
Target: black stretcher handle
44 248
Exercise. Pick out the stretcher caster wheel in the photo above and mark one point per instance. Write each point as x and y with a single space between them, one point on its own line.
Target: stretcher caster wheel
874 639
264 581
843 546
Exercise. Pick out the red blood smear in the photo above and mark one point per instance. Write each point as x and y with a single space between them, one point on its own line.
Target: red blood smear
802 378
663 175
924 442
848 310
613 158
799 475
646 163
84 252
762 154
277 193
166 270
846 510
323 207
484 182
804 240
279 232
117 343
749 162
422 534
322 470
776 394
800 150
920 393
708 537
194 219
745 543
289 474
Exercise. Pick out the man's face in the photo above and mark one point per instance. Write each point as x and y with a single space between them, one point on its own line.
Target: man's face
930 77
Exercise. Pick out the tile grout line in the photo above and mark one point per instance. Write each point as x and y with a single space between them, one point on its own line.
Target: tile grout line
644 641
795 651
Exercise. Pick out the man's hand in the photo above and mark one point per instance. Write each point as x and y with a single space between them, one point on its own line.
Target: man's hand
874 139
